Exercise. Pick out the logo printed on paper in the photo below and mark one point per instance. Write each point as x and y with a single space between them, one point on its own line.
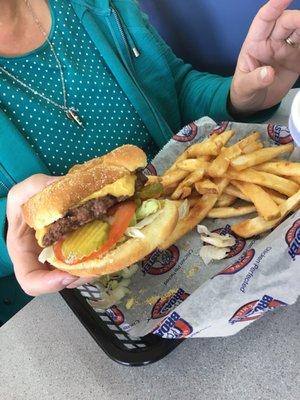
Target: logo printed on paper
279 134
292 239
173 327
150 170
255 309
116 315
239 245
240 264
161 261
222 127
164 305
187 134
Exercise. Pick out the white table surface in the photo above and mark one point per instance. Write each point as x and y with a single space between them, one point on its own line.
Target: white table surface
45 353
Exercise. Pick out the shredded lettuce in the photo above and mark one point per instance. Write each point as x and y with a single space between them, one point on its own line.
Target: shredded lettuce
46 253
108 300
218 245
209 253
113 288
215 239
135 231
147 208
130 271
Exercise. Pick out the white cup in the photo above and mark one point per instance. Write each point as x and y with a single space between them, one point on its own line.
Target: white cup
294 120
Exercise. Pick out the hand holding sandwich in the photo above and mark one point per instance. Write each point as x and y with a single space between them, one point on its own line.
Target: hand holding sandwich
98 219
34 277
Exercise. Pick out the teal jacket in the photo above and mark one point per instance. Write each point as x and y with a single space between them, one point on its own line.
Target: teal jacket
166 92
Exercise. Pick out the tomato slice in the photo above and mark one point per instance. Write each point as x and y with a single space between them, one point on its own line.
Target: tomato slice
122 218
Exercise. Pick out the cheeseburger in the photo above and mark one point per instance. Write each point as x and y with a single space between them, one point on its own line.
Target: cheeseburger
102 216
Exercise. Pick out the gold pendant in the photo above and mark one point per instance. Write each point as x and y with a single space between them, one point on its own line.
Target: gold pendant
73 116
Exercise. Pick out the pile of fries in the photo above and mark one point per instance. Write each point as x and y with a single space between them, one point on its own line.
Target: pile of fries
224 181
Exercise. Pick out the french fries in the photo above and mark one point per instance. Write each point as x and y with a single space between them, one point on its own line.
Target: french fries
271 181
197 213
223 138
225 200
234 191
214 176
186 192
153 179
192 178
277 197
221 163
251 147
249 140
206 148
295 179
191 165
260 156
173 177
211 146
265 205
283 168
230 212
258 225
206 186
173 167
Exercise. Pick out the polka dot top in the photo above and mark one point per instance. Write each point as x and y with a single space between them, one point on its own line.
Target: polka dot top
109 118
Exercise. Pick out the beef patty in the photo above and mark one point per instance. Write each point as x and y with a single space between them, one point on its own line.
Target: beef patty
87 212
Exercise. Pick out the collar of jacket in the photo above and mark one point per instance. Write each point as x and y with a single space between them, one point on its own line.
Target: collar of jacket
100 7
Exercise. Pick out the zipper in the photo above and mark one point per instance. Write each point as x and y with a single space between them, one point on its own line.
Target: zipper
3 185
132 46
6 181
130 70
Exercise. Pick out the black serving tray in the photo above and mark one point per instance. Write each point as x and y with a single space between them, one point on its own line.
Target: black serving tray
116 343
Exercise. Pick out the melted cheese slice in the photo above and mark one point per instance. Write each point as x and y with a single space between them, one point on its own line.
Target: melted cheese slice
40 233
124 186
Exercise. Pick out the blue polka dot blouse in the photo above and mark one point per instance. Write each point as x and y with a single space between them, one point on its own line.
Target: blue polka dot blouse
109 118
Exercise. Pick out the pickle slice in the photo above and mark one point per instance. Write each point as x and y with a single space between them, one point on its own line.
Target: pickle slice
85 240
151 191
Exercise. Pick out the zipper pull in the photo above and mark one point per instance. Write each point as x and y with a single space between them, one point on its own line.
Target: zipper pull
125 33
135 52
131 42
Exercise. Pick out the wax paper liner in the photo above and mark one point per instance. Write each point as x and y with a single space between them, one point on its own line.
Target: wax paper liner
175 295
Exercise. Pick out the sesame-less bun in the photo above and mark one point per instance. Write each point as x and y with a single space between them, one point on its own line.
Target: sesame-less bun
130 251
81 181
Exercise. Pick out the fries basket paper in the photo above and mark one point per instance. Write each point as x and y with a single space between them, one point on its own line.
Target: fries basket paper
175 295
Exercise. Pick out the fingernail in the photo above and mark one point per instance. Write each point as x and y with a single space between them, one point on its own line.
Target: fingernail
264 73
70 279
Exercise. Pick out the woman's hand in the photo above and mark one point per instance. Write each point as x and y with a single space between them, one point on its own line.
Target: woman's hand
35 278
267 67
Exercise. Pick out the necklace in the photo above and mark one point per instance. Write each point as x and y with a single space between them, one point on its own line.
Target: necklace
70 112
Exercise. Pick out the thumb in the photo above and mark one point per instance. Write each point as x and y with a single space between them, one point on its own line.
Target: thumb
37 280
252 82
22 191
